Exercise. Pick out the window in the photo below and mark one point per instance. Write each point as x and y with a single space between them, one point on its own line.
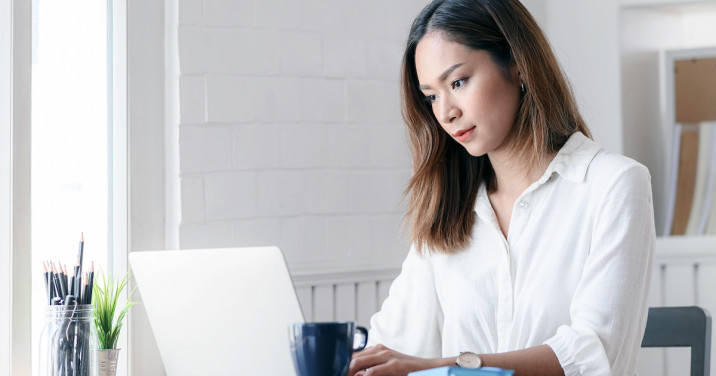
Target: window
78 141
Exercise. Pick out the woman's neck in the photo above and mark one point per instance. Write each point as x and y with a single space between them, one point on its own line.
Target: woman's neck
514 176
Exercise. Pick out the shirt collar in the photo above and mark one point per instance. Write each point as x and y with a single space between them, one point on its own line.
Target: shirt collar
483 207
573 159
571 163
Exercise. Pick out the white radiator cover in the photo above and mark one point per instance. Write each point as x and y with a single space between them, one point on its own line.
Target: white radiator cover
684 274
348 295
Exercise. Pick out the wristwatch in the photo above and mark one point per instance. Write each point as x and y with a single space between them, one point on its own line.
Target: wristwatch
468 360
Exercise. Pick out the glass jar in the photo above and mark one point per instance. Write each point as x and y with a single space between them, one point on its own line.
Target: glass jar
68 343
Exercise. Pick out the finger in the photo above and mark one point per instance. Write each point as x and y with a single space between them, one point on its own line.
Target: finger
381 370
368 351
367 361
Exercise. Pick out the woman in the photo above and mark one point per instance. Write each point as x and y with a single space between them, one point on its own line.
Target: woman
532 245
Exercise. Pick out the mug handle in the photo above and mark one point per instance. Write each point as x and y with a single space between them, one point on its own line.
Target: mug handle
364 338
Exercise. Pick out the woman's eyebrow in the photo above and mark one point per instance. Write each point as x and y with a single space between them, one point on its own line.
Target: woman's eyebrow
444 75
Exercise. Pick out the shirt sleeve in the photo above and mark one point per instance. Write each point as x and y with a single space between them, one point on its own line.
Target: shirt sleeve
609 309
410 319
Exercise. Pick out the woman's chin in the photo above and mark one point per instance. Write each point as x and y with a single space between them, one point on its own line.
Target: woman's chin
475 150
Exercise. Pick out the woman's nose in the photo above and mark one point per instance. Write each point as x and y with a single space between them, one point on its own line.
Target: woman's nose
449 112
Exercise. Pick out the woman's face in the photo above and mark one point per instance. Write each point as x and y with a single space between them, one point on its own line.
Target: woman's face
473 98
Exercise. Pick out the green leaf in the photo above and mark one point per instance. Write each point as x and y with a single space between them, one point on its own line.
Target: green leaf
105 294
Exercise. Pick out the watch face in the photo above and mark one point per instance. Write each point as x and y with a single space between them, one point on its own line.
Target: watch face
469 360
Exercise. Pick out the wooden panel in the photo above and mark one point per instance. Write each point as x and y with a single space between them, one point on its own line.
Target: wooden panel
679 284
366 296
695 90
346 302
323 303
686 180
304 299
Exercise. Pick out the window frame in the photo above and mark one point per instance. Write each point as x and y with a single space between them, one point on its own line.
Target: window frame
15 286
15 131
5 180
119 178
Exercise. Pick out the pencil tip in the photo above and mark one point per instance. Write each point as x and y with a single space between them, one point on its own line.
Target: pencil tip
82 237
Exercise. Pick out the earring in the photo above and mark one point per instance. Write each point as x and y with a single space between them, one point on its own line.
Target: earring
522 87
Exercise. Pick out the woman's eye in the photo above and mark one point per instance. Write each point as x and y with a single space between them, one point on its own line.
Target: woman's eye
458 83
429 99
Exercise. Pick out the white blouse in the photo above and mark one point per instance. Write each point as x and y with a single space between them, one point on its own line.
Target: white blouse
573 272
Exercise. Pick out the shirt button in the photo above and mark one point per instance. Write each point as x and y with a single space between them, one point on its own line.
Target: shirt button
524 204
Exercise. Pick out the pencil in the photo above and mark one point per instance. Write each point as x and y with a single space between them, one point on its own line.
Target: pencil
58 275
66 277
71 288
91 283
53 293
80 255
58 285
85 291
56 279
47 282
78 279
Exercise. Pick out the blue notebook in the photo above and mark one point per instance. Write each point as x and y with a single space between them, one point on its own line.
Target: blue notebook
457 371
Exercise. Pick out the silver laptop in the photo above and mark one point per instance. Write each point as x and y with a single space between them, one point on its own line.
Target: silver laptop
219 311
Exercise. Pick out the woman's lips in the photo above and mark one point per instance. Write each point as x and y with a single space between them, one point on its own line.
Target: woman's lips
464 134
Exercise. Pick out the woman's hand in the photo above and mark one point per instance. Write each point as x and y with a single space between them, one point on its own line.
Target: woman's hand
379 360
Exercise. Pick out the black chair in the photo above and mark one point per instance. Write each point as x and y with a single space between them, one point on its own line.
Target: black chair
681 327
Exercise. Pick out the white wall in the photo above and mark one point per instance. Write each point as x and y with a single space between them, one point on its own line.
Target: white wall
538 9
585 38
289 126
584 35
290 131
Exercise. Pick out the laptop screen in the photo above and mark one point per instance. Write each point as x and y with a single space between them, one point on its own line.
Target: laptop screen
217 311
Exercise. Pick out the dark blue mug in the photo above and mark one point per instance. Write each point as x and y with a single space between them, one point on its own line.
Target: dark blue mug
325 348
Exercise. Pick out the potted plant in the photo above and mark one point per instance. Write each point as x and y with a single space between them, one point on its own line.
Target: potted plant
105 296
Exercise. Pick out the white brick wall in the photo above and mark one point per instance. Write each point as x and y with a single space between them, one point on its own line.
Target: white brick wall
290 130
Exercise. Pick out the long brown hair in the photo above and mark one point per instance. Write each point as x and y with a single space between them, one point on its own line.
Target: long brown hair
446 178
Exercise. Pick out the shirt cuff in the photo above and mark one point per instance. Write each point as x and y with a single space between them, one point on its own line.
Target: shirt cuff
579 352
